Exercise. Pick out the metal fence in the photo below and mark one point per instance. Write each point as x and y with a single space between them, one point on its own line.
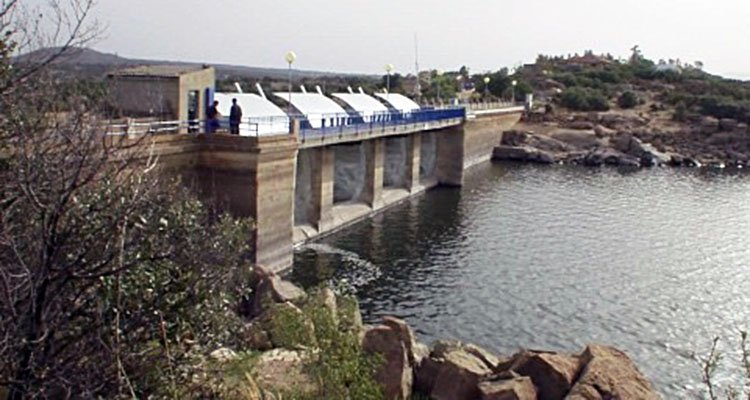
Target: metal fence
247 127
341 124
310 126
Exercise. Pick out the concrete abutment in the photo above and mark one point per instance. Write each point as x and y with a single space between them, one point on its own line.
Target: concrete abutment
295 194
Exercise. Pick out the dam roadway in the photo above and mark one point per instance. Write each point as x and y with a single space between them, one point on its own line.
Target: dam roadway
312 181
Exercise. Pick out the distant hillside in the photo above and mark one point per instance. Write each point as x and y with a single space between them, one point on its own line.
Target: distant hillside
90 63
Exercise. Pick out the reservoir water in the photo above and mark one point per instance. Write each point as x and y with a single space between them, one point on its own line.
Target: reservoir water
655 262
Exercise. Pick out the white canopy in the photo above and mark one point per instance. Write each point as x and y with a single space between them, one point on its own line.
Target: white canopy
363 104
256 112
318 109
399 101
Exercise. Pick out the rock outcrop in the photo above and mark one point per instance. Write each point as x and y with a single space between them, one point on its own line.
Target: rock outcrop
457 374
522 153
552 373
610 374
520 388
396 374
581 147
448 370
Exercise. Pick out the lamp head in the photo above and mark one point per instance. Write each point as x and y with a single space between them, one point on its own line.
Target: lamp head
290 57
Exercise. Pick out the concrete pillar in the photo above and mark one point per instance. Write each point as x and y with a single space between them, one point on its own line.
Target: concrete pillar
413 160
449 168
372 193
273 187
321 204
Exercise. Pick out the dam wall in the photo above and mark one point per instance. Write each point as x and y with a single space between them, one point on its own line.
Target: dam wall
297 190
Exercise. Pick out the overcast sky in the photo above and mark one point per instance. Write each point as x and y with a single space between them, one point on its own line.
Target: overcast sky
363 36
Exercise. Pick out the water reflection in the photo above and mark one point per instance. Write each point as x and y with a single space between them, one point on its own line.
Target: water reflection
654 262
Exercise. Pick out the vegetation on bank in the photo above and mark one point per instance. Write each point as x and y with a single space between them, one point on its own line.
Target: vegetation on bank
714 361
685 88
115 281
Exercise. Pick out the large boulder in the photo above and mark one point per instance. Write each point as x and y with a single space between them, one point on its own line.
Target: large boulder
580 125
514 138
224 355
521 388
610 374
727 138
255 336
609 156
406 335
453 370
579 139
459 376
270 288
552 373
709 125
349 315
522 153
546 143
442 347
602 131
282 370
630 145
396 374
728 124
288 327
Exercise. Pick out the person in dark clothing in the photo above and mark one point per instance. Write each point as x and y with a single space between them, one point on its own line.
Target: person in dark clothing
212 117
235 117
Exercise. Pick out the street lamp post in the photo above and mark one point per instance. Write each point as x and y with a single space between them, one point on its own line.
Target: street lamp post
439 74
388 69
290 57
460 87
486 86
513 92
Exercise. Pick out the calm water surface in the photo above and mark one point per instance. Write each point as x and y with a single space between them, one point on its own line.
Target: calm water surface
655 262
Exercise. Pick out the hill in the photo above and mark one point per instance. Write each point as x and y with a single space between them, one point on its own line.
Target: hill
677 108
90 63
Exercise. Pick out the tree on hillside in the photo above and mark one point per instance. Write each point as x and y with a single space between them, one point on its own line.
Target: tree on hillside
396 82
636 55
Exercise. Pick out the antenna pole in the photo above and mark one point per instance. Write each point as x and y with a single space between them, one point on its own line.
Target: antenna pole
416 64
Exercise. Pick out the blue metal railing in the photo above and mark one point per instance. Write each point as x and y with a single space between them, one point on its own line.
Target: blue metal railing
340 124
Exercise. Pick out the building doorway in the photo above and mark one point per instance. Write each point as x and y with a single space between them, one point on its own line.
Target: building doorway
193 105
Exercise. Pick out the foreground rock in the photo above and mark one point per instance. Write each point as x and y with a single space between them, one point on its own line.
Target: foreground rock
457 374
610 374
283 371
396 374
521 388
449 370
552 373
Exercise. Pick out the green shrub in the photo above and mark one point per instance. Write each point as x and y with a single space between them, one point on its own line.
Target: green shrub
627 100
581 99
341 368
680 112
289 327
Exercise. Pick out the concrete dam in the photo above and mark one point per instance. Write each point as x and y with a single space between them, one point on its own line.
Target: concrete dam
322 163
296 191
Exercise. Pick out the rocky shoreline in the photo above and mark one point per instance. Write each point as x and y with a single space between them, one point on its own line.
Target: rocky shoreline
445 370
595 139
